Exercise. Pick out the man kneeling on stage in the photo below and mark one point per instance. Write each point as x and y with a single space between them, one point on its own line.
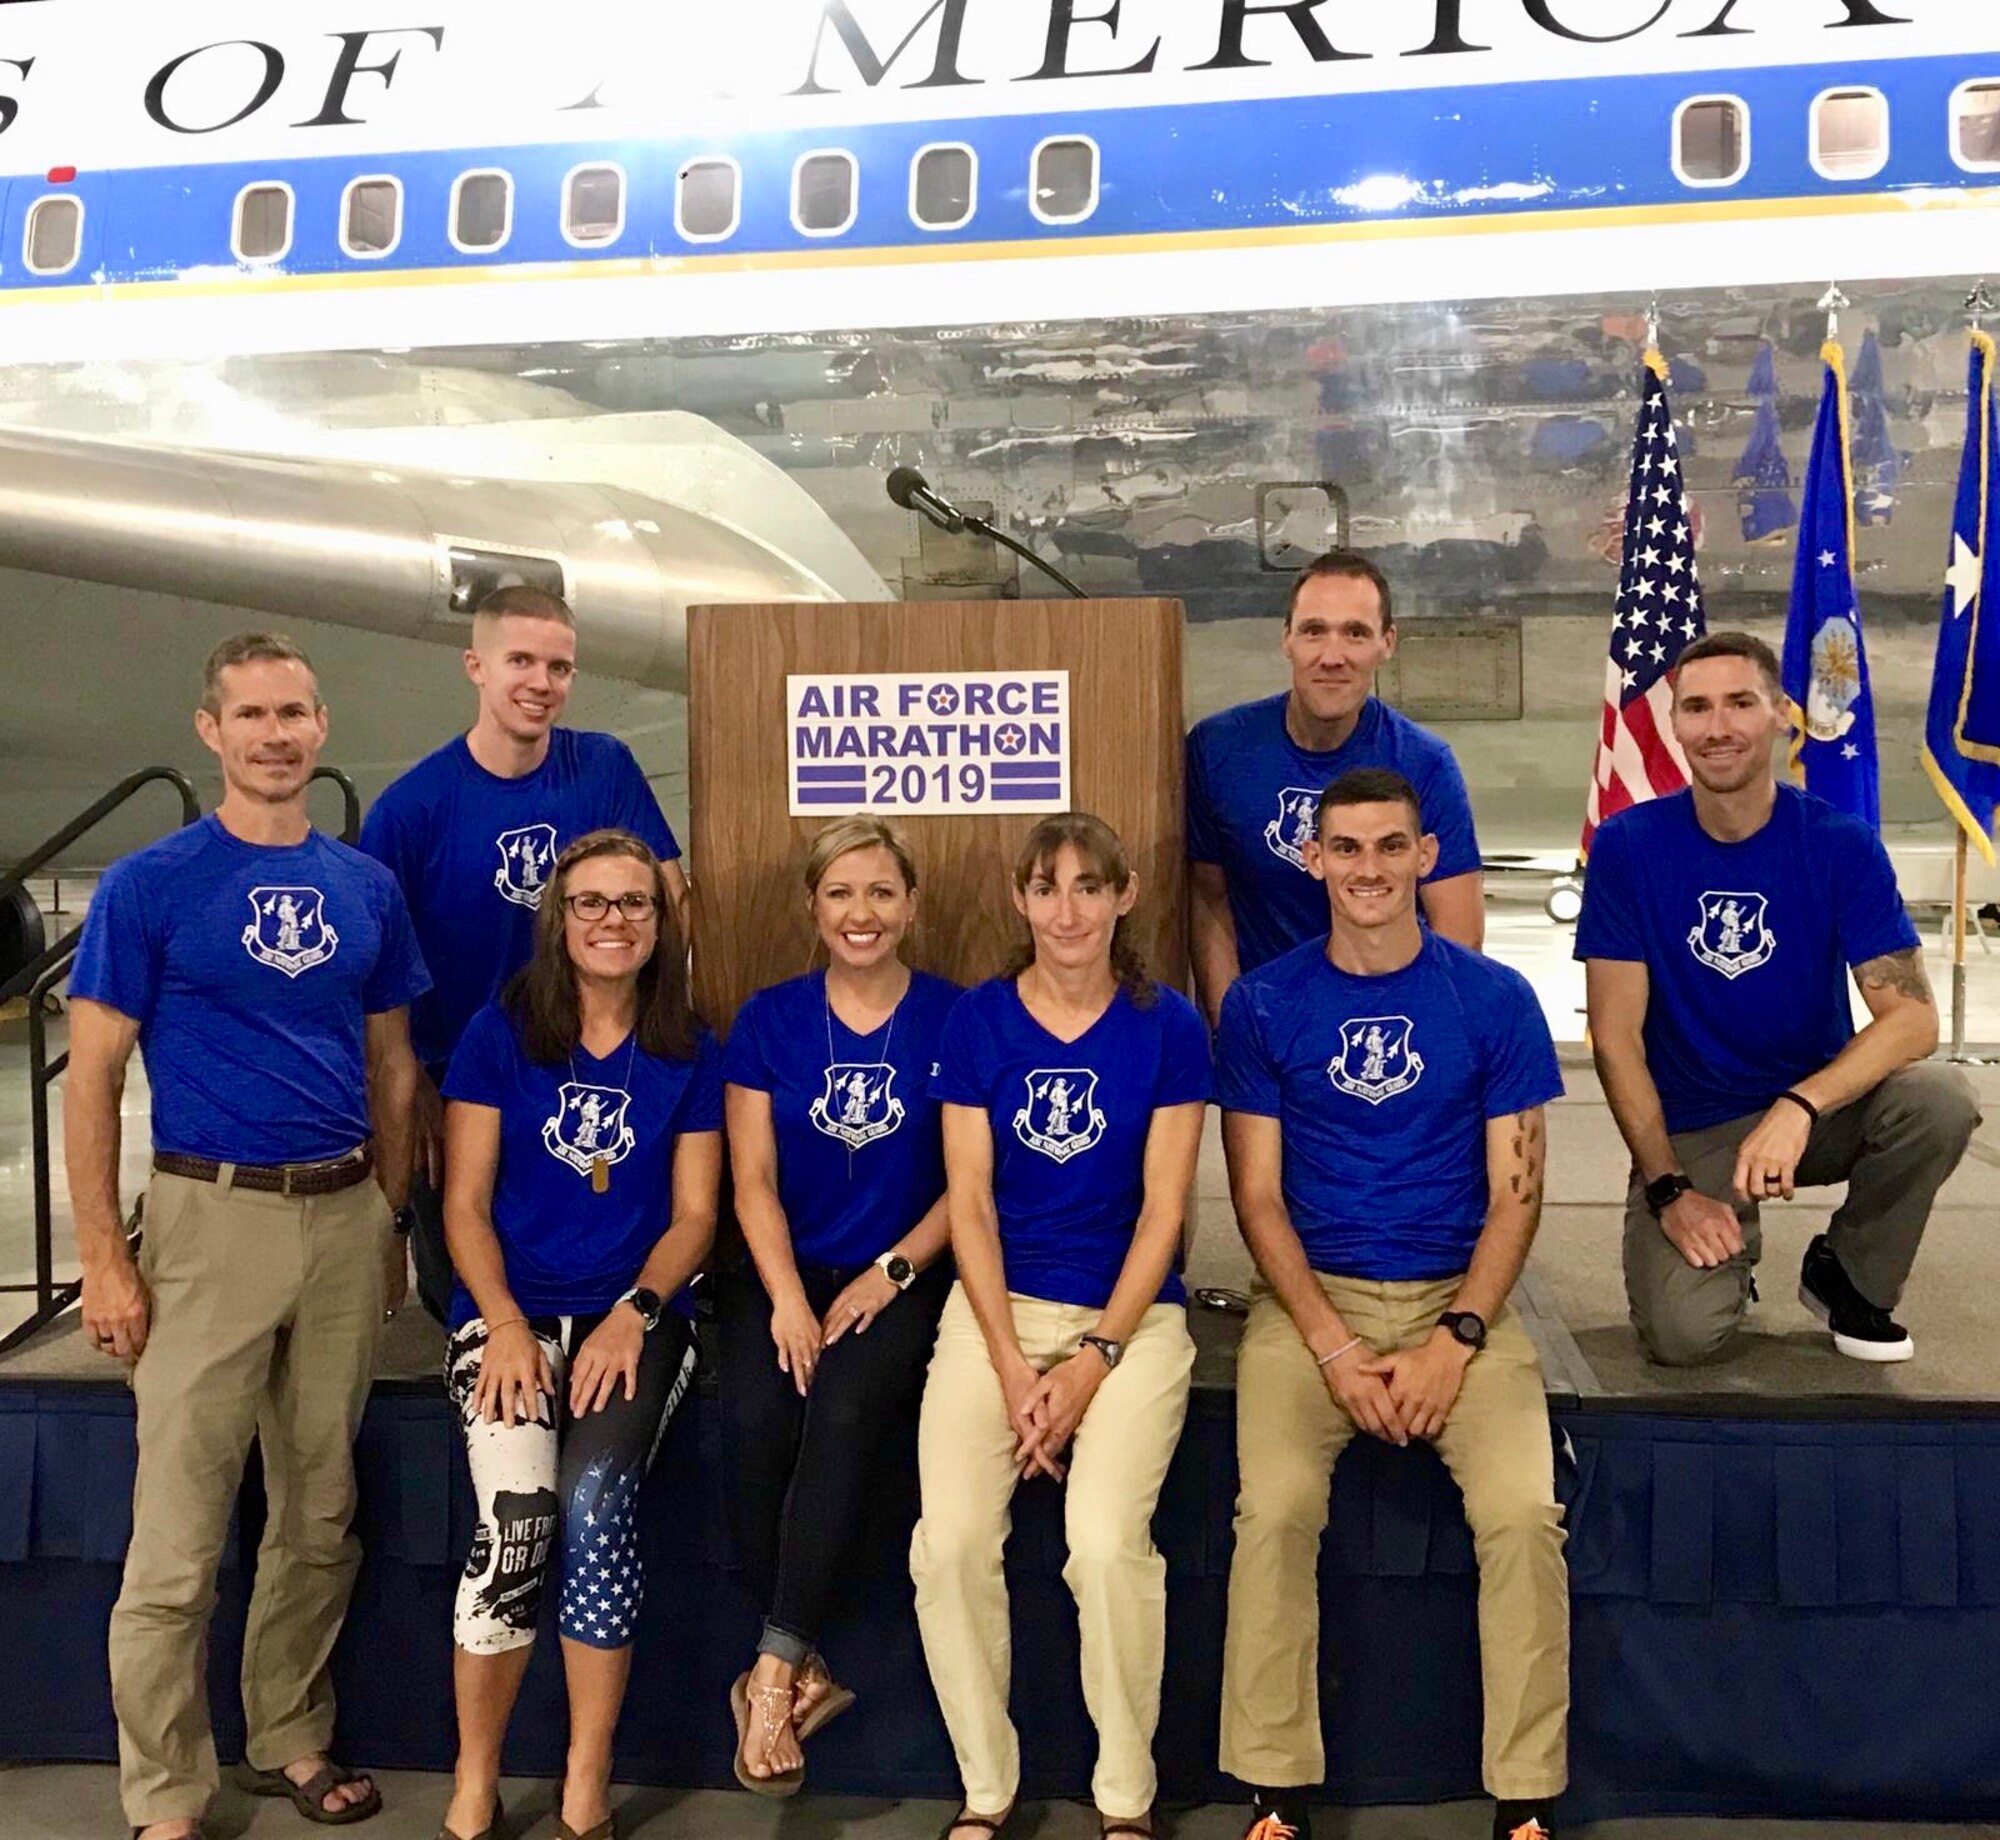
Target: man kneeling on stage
1716 924
1382 1094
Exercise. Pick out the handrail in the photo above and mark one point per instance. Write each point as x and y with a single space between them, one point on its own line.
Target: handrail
89 820
350 802
37 979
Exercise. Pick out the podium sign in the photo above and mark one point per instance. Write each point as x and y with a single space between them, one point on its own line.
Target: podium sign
959 720
928 743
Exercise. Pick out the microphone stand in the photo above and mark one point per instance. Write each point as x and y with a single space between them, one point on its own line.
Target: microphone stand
999 536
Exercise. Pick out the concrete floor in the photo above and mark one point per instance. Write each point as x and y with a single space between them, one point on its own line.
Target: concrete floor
79 1802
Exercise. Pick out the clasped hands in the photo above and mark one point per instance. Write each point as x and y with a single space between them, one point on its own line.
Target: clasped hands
1404 1395
1044 1409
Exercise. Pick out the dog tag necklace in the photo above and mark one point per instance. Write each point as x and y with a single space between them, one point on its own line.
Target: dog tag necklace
600 1164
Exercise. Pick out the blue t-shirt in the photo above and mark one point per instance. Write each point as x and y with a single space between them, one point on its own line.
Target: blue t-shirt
570 1250
860 1144
1070 1121
1744 944
1382 1087
472 852
248 970
1253 795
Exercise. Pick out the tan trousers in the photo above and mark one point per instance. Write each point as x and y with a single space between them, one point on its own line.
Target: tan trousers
1289 1433
1117 1463
265 1318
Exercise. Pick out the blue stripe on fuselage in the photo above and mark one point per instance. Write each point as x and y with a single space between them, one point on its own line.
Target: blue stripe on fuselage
1574 144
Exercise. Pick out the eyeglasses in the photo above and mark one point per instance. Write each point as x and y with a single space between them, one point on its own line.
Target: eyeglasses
593 906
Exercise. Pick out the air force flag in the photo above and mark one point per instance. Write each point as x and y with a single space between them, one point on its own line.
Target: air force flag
1826 665
1962 733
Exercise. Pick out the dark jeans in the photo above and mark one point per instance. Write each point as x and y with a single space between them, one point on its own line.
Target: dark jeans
435 1276
800 1470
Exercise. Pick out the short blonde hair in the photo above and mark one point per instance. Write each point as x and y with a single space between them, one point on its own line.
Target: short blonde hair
858 833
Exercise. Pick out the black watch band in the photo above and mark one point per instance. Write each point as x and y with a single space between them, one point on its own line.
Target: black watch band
1664 1191
1466 1326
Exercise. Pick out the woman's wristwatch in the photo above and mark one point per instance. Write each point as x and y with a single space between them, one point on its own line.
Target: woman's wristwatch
897 1269
647 1303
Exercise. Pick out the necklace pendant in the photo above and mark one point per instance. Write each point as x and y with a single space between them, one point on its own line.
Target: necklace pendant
600 1175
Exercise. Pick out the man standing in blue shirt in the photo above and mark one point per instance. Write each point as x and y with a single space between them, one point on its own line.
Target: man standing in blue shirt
265 972
1255 772
1716 928
1382 1092
470 834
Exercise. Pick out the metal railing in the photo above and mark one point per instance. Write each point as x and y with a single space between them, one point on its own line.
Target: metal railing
35 980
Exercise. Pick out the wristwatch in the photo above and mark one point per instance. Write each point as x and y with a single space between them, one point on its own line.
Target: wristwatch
1113 1352
1466 1326
1664 1191
897 1269
647 1303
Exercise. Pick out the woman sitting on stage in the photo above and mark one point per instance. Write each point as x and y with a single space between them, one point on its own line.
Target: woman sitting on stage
826 1326
583 1158
1073 1093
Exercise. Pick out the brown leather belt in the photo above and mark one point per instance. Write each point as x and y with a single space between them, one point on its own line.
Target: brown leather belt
282 1179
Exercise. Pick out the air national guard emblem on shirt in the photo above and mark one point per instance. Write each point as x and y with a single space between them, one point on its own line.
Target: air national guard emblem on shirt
589 1126
1061 1118
1733 935
526 857
1377 1059
289 929
1296 824
859 1103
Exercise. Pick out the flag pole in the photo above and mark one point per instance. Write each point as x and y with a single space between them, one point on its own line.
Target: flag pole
1978 304
1958 946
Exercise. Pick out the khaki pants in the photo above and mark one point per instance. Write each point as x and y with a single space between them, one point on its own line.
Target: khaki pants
1117 1463
266 1312
1289 1432
1894 1147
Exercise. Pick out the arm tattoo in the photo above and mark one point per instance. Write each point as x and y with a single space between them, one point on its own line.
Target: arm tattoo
1902 972
1528 1147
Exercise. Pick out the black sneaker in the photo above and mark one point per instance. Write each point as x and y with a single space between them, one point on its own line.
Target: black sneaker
1860 1330
1522 1821
1278 1814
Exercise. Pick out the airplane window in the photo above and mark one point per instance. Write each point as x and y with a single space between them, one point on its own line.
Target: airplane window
594 204
1975 111
263 222
482 210
823 193
943 182
1850 133
371 217
1711 141
1064 187
55 235
705 204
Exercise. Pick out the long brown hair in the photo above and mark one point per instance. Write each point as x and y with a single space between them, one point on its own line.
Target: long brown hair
1099 849
541 998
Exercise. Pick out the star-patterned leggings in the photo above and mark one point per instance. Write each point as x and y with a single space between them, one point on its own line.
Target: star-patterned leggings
561 1489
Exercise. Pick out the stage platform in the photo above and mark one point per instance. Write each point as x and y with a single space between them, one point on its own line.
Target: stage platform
1785 1569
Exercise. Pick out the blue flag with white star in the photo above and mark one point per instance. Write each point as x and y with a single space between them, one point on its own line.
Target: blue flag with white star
1962 732
1826 664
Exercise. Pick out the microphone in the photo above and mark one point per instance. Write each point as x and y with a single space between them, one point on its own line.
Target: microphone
909 489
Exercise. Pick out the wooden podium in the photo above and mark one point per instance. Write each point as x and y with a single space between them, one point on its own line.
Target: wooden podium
750 925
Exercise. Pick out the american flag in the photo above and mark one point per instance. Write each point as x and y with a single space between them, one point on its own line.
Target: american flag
1659 612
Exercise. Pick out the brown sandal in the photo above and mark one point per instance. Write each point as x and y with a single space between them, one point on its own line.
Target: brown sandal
769 1701
489 1832
995 1825
835 1700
